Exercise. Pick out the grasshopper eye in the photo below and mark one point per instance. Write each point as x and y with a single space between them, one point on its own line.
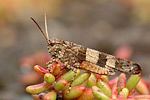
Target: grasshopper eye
135 68
51 44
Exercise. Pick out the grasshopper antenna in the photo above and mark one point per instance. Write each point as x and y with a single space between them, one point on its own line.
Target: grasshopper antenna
46 25
46 37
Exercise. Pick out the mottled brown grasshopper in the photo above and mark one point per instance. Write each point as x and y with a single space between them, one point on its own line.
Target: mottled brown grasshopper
75 56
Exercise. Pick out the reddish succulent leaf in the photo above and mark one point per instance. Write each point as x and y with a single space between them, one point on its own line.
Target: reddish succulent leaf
142 97
74 92
121 83
38 96
93 77
49 78
40 70
142 87
99 95
51 68
69 75
39 88
133 81
97 76
123 94
131 92
87 95
104 87
60 85
57 69
114 91
81 79
91 82
85 83
104 77
113 81
50 96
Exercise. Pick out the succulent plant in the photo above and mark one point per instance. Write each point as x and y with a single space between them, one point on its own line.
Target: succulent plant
86 86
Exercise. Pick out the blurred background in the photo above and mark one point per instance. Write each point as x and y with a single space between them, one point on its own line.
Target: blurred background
104 25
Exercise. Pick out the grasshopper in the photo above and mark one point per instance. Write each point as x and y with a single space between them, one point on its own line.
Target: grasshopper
75 56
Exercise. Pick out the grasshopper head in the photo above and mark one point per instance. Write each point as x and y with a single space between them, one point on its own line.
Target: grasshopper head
55 47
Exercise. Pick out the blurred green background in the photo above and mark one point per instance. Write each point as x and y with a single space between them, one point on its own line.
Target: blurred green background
103 25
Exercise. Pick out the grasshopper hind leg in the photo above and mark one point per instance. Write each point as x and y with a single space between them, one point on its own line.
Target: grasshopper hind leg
69 86
73 67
